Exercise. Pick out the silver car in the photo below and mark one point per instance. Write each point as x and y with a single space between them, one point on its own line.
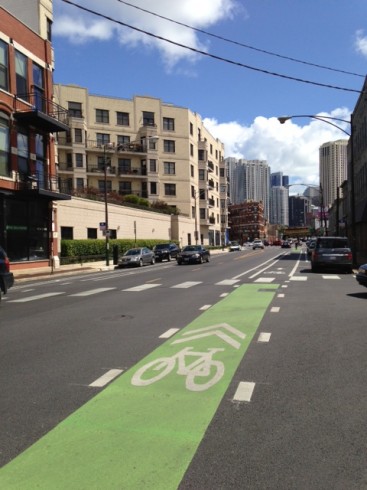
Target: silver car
137 257
331 253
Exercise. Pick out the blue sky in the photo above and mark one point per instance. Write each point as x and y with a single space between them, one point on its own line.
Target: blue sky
238 104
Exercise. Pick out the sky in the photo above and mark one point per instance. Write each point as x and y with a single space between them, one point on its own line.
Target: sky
240 64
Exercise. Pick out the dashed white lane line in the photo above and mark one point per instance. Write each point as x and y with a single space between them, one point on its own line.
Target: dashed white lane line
330 277
275 309
142 287
169 333
34 298
264 337
205 307
265 279
298 278
106 378
92 291
280 295
244 391
188 284
223 295
227 282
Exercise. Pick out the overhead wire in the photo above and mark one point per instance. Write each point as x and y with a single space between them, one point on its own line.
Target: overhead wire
210 55
237 43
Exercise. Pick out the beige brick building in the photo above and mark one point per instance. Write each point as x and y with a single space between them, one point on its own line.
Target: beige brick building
149 148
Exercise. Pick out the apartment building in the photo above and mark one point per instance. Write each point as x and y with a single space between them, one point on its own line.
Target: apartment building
28 120
148 148
333 168
247 221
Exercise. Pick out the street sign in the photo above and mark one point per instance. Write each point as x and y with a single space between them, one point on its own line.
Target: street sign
102 226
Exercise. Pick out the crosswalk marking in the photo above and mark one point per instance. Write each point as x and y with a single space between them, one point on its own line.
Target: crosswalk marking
34 298
92 291
187 284
142 287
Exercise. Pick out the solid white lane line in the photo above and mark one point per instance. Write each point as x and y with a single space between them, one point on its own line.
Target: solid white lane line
264 337
187 284
244 391
34 298
106 378
169 333
93 291
142 287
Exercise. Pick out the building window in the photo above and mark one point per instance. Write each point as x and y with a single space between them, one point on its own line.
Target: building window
113 234
79 183
102 139
101 185
152 165
170 189
91 233
202 213
153 188
122 119
168 124
201 155
67 233
38 87
192 171
49 29
3 66
191 129
79 160
148 118
23 153
4 145
69 160
124 188
75 109
78 135
201 174
102 116
191 150
124 165
122 140
169 146
169 168
193 211
21 74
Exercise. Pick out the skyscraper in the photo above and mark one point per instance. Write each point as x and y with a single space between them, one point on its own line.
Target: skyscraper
333 168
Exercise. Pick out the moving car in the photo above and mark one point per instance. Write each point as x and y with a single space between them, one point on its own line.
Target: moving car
257 244
362 275
193 254
137 257
333 253
165 251
310 244
6 277
286 244
234 247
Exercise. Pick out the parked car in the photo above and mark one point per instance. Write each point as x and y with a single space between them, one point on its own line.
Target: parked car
234 247
286 244
277 243
6 277
310 244
333 253
257 244
137 257
165 251
361 275
193 254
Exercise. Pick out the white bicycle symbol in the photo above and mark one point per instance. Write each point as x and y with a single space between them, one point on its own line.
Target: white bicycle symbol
204 367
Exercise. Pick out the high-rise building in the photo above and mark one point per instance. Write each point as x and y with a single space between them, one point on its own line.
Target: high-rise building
150 149
333 169
279 206
299 209
249 180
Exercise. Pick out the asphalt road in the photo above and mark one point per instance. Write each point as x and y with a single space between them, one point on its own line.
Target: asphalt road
303 426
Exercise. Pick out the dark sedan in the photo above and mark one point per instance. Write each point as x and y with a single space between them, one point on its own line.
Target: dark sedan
362 275
193 254
6 277
165 251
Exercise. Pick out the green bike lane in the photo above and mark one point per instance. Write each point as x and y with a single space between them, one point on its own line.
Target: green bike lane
144 428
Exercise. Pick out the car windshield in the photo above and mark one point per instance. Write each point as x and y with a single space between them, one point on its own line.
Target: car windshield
162 245
133 251
191 248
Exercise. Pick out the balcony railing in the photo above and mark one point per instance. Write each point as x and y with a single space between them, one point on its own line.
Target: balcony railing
95 169
37 181
132 147
36 110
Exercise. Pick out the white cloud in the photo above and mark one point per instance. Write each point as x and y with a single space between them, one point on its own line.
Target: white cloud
361 43
80 26
291 148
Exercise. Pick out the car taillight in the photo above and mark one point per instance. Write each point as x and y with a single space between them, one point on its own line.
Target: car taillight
7 264
349 256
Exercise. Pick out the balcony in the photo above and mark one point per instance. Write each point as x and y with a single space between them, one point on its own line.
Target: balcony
95 169
211 184
211 203
112 147
210 166
133 172
65 167
40 184
33 109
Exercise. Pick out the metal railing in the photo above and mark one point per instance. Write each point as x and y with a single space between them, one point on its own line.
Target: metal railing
34 101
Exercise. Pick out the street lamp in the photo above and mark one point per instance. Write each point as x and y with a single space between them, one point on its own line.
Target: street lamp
329 120
107 231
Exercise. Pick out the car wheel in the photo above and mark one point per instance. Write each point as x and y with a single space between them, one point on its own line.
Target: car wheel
152 261
169 258
201 260
179 262
208 259
314 268
141 263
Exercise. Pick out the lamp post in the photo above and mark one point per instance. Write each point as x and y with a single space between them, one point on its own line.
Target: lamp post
195 196
107 232
329 120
